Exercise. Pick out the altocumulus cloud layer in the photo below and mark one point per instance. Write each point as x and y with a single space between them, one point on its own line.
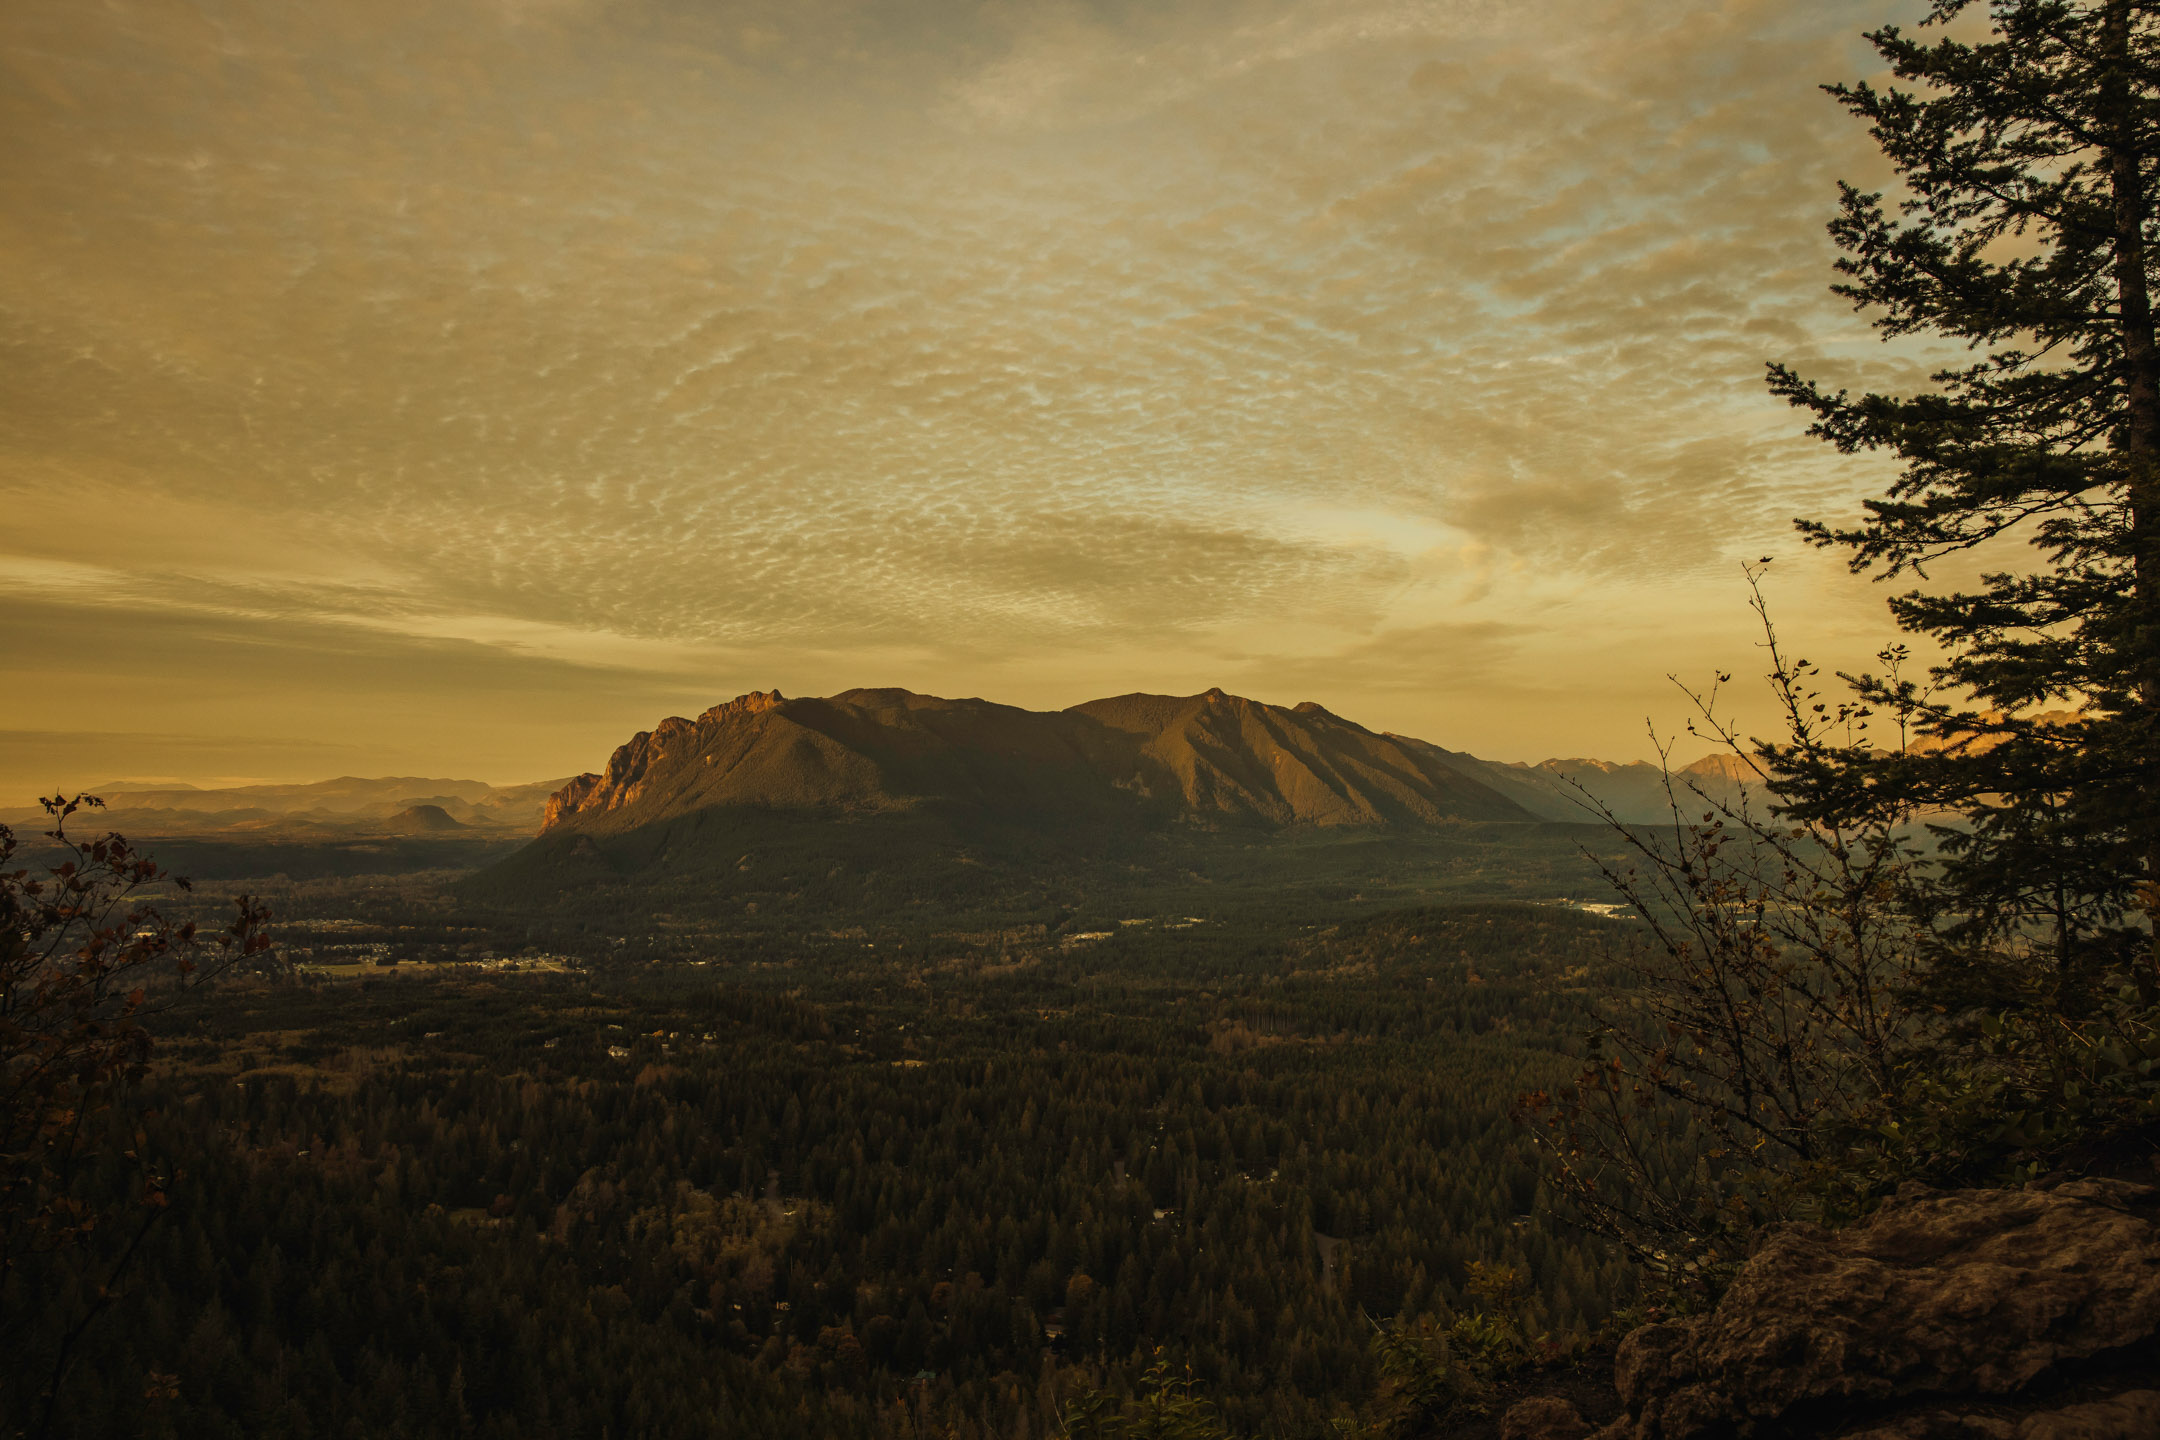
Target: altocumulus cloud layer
463 382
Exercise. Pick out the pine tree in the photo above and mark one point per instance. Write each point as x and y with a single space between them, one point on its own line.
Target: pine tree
2025 232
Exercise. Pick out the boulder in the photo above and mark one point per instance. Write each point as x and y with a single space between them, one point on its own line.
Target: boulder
1543 1417
2131 1415
1937 1298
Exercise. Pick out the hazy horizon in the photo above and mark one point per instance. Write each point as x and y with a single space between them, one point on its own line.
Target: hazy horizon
453 389
1679 757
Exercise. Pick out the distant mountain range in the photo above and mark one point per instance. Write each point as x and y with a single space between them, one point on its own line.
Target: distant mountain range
341 809
1637 793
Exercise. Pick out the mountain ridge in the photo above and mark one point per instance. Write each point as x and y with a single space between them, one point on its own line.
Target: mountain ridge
1211 759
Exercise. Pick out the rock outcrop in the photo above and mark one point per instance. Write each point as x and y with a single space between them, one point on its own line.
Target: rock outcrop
1543 1417
2021 1314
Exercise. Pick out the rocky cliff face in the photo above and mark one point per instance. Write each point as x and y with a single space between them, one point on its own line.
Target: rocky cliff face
622 783
1961 1315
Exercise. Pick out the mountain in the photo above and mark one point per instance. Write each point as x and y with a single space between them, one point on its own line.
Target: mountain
1212 760
425 819
888 805
1208 760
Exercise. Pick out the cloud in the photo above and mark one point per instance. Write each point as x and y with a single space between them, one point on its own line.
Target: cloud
1412 660
636 334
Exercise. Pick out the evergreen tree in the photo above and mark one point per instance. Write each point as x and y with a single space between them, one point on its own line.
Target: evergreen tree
2028 161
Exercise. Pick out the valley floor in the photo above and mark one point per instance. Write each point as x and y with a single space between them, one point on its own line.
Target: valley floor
854 1182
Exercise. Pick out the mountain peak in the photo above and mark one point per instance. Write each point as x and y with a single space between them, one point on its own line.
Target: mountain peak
756 702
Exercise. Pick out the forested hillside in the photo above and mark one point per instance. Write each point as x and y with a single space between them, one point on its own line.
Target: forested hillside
857 1185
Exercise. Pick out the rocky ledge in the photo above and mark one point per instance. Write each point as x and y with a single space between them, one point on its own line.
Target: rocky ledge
1947 1315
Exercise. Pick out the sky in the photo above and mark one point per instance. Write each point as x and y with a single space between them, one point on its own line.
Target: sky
453 387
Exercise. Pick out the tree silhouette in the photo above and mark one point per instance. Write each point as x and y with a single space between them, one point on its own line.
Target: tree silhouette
2024 233
85 957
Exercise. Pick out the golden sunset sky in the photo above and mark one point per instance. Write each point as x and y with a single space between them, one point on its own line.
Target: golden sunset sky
452 387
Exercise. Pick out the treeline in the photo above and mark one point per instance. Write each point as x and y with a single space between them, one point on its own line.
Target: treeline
842 1192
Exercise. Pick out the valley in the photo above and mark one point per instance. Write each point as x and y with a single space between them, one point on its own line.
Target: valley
876 1183
950 1036
895 1065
